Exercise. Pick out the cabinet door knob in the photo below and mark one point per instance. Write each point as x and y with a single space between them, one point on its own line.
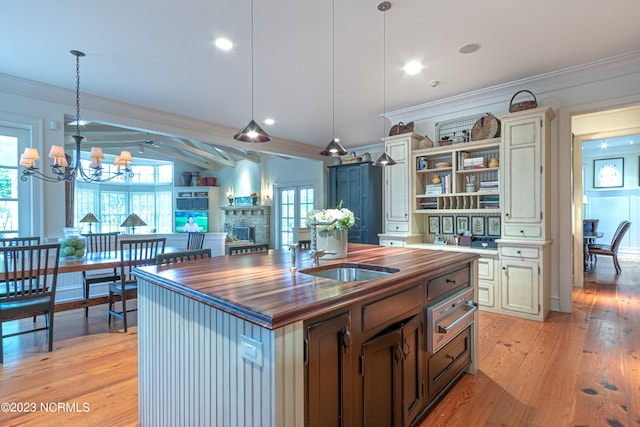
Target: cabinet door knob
519 252
521 231
506 214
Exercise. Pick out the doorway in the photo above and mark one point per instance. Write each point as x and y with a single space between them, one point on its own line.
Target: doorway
294 202
610 134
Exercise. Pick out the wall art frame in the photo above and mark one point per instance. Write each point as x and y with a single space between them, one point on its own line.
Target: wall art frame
608 173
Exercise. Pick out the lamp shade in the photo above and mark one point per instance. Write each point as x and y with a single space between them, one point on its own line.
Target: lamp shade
96 153
334 149
56 151
133 220
31 153
252 133
384 160
90 217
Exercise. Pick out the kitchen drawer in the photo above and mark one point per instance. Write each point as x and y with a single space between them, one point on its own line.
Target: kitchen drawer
520 252
486 294
515 230
390 308
447 363
448 283
397 227
386 241
486 268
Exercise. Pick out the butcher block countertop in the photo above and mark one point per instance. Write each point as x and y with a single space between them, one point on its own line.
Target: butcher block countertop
261 288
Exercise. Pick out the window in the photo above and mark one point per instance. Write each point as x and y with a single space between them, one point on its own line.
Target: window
295 203
148 194
15 195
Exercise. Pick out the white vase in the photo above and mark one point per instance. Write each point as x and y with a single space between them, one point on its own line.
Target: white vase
333 241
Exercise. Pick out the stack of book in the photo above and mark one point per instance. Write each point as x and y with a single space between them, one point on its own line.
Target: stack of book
421 164
428 203
433 189
474 163
490 202
489 185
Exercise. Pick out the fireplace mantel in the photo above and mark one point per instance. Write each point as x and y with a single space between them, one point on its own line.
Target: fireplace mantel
246 210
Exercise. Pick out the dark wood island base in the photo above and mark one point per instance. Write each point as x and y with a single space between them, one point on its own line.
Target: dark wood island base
246 341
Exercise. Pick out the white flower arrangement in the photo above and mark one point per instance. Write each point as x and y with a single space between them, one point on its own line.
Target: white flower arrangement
345 218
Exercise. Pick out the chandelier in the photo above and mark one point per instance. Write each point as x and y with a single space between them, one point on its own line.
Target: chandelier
61 168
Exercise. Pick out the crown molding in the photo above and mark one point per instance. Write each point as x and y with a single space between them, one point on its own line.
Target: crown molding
541 84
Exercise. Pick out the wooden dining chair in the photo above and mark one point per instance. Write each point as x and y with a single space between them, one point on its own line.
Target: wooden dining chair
182 256
105 243
19 241
612 249
28 286
195 240
133 253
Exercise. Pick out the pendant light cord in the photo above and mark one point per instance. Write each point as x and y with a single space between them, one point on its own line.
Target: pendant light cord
333 70
77 95
384 72
251 59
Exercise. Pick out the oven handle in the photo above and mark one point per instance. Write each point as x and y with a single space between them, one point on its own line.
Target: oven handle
472 309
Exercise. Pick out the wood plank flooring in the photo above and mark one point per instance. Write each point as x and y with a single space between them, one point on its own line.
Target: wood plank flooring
579 369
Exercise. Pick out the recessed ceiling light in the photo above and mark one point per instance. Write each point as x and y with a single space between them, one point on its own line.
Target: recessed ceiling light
469 48
412 67
224 44
269 121
631 142
604 145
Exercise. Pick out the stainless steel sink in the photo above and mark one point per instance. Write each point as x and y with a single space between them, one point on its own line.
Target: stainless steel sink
351 272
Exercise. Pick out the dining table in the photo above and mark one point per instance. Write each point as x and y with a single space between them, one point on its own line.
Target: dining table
90 261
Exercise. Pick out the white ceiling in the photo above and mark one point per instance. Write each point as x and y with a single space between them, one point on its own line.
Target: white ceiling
160 54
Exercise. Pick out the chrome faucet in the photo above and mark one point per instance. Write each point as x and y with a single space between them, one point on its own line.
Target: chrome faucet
314 252
293 248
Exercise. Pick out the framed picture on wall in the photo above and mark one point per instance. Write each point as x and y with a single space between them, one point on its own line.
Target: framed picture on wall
434 224
447 224
462 224
493 226
477 225
608 173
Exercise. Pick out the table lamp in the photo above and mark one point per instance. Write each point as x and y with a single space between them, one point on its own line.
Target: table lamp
90 218
133 221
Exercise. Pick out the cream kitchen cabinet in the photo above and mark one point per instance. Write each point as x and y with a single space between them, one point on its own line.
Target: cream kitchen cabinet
525 285
525 157
399 223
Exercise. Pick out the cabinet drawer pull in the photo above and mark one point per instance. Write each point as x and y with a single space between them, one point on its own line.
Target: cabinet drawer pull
519 252
451 281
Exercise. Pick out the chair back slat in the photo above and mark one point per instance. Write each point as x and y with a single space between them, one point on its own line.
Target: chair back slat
195 240
29 271
19 241
182 256
138 252
102 242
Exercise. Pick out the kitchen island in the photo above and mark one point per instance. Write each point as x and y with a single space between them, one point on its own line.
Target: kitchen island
246 341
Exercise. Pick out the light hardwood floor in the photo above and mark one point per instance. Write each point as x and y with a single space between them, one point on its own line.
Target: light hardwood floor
579 369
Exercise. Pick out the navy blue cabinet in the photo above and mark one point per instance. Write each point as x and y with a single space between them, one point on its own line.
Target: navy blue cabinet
359 187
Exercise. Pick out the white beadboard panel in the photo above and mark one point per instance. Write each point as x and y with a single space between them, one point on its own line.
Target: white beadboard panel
191 372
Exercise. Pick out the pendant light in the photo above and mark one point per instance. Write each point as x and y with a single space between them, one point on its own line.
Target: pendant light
252 132
61 168
384 159
334 148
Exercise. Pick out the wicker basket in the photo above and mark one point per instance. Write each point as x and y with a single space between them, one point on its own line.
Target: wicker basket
524 105
351 159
